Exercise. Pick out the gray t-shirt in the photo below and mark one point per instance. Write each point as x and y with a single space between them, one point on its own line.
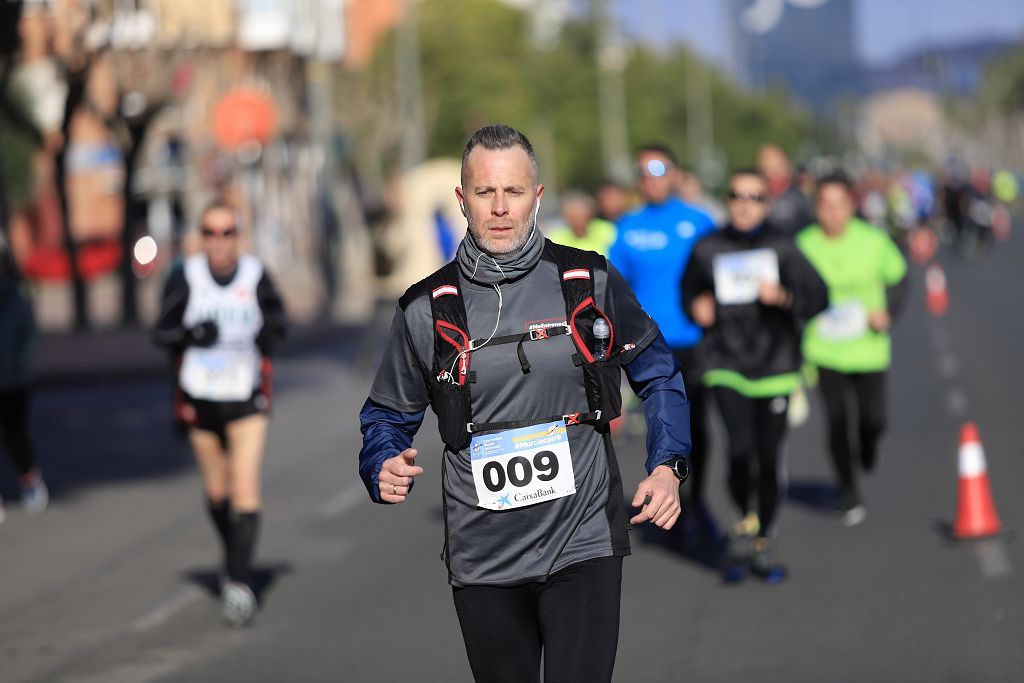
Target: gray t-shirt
528 543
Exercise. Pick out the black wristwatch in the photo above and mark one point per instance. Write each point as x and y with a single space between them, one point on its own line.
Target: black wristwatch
679 468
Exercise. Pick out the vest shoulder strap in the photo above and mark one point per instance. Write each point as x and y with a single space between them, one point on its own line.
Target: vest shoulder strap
447 309
576 269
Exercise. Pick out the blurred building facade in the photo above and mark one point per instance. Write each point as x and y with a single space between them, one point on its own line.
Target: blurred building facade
808 48
126 95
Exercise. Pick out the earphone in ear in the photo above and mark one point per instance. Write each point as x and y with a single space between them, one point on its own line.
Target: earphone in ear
463 208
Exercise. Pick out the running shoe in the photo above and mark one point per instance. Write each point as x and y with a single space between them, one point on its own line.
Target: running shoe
762 563
35 497
734 570
737 554
854 515
238 604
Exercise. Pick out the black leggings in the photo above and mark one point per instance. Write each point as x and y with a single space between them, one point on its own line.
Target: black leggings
573 617
14 424
756 427
868 389
698 421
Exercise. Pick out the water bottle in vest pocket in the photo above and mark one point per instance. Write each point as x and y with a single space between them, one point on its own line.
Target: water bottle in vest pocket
602 374
449 388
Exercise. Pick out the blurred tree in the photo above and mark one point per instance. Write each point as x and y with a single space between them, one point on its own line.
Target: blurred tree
14 162
1002 89
18 140
988 126
480 66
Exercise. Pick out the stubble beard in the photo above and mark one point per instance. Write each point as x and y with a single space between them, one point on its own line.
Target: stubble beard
521 234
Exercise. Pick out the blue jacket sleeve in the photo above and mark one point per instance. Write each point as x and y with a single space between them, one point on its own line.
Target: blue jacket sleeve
655 378
618 255
386 433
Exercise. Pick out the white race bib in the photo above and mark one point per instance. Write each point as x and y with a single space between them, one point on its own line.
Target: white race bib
848 320
740 274
524 466
219 374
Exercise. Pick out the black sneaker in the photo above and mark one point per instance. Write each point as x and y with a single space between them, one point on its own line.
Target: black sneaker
737 556
762 563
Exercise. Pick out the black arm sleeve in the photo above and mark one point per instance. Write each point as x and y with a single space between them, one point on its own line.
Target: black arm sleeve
170 331
808 289
896 295
697 278
275 320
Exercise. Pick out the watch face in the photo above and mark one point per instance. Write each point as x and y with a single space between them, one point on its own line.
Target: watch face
681 469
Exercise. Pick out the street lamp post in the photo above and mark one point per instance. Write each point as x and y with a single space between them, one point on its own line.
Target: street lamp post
611 93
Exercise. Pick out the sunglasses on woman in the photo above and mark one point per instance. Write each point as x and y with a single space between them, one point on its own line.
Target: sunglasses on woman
227 232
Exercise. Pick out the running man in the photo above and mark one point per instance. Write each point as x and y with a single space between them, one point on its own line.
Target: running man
504 344
652 252
222 314
791 210
850 344
580 227
752 291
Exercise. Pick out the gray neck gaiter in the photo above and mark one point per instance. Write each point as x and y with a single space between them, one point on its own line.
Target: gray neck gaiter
480 267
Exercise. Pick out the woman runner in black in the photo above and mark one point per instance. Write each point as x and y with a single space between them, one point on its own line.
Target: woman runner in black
753 291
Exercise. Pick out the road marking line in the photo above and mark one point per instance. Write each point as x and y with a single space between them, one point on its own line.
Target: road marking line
939 337
993 559
956 403
343 501
180 599
948 365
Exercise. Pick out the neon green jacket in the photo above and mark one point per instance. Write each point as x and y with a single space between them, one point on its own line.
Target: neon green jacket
600 236
865 272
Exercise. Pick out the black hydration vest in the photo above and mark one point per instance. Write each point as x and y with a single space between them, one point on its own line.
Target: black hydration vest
450 388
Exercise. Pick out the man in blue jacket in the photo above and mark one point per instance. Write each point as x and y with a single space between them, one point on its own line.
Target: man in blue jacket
652 251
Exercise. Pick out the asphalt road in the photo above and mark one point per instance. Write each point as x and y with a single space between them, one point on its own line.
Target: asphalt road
115 582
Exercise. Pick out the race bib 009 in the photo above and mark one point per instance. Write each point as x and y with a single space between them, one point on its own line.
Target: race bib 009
524 466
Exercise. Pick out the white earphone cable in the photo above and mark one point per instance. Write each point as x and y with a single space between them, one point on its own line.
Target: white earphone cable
476 266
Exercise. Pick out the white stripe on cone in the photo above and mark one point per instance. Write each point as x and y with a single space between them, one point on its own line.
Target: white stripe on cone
972 460
935 278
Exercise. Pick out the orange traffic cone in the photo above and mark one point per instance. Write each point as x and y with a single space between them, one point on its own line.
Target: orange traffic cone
936 295
923 244
975 512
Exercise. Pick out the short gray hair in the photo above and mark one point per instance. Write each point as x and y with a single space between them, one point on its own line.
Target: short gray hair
498 136
571 197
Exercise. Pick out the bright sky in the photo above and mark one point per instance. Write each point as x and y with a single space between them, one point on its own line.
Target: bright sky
884 30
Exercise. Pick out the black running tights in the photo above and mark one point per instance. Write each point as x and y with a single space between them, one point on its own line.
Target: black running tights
573 617
14 424
868 389
756 427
